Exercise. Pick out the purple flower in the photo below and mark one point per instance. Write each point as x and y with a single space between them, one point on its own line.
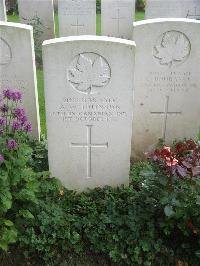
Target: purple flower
16 96
7 93
2 121
27 127
19 112
4 108
12 144
23 120
16 125
1 158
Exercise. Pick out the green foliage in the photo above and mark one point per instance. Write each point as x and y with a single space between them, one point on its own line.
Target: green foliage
18 185
98 6
39 159
140 5
143 224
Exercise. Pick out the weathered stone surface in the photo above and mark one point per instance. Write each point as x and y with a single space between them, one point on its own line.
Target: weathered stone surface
89 102
39 14
173 9
117 18
17 67
167 94
77 17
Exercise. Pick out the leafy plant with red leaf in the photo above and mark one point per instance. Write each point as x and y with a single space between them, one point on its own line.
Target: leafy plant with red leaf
181 160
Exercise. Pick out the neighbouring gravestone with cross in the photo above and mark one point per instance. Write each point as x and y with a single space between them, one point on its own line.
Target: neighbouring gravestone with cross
173 9
89 104
167 79
117 18
2 10
39 14
77 17
17 67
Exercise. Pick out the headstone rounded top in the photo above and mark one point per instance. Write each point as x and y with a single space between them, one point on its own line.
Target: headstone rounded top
164 20
16 25
89 38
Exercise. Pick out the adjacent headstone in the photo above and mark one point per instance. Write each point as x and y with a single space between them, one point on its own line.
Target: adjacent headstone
167 82
117 18
173 9
2 10
89 102
39 14
77 17
17 67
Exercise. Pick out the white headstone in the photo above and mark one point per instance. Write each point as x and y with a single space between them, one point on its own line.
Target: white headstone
2 10
89 102
17 67
117 18
167 92
173 9
77 17
39 14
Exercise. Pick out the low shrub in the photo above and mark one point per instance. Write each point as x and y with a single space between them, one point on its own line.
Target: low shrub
143 224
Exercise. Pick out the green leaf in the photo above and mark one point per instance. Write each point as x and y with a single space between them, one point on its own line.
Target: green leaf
169 211
4 245
198 200
8 223
26 214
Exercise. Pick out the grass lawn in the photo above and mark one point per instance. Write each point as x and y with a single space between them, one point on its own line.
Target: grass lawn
40 82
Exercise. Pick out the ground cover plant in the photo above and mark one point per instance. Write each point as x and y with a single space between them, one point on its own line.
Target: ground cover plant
154 221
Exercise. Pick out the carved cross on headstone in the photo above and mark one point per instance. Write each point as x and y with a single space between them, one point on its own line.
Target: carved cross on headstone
89 146
118 18
77 25
195 15
166 113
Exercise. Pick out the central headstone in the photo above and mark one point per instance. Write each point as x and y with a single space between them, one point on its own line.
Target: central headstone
77 17
167 91
89 102
39 14
2 10
117 18
17 67
173 9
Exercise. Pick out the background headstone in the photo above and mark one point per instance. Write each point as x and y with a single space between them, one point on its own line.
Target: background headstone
173 9
2 10
167 82
39 14
89 102
77 17
17 67
117 18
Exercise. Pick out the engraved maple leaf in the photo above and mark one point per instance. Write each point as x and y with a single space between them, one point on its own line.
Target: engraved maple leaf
88 73
174 48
